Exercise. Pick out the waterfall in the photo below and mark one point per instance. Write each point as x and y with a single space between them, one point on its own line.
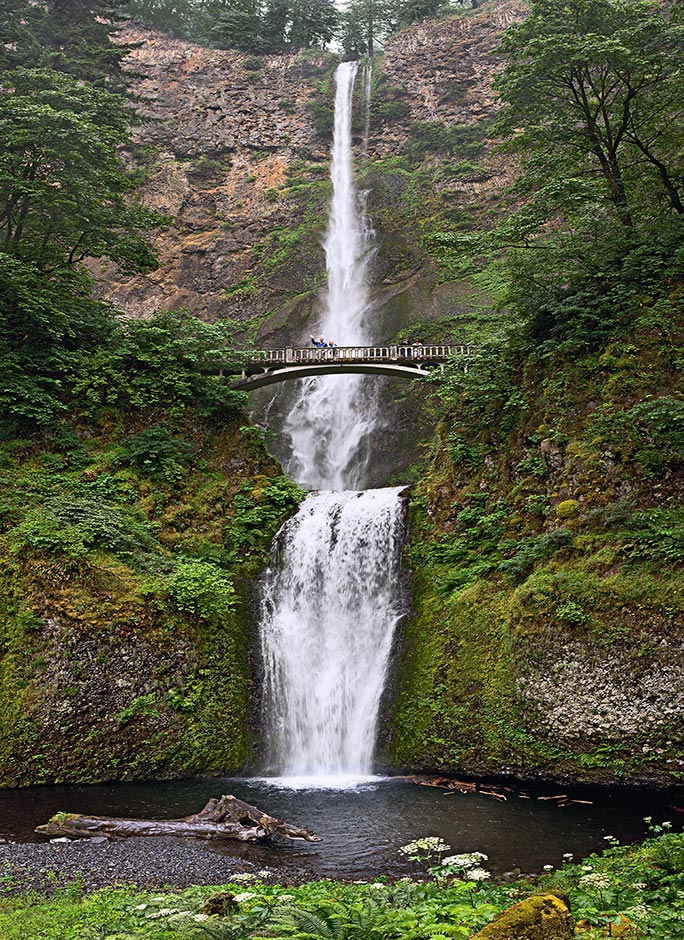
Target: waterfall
330 604
332 597
331 422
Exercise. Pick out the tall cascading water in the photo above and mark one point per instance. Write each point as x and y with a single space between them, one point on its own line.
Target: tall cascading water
331 423
332 596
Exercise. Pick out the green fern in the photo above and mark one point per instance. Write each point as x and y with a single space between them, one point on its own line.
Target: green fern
332 921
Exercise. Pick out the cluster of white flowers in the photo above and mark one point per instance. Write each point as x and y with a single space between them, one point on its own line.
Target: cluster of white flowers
244 896
286 898
246 877
637 913
430 844
264 873
162 912
638 886
466 860
595 880
477 874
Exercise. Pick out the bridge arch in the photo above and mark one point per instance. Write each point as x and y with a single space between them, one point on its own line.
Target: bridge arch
408 362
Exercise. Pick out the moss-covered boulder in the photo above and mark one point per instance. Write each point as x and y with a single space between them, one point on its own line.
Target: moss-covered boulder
541 917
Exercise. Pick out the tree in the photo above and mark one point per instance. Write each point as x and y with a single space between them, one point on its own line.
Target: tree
312 22
237 24
65 195
275 23
364 24
63 185
592 92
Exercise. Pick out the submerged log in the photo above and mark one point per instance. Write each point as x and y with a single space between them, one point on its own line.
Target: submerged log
227 818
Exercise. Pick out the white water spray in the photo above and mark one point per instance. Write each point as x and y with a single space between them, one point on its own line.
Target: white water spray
332 596
330 604
331 422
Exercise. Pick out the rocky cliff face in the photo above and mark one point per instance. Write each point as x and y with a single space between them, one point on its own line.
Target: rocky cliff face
236 148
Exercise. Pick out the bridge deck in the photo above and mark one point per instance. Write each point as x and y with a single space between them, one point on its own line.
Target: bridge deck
278 365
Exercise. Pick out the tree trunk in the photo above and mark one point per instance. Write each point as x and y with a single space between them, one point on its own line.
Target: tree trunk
227 818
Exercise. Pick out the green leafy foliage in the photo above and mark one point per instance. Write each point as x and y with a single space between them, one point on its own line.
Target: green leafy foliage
156 454
75 525
201 589
641 884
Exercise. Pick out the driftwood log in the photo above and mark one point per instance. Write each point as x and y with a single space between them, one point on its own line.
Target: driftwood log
227 818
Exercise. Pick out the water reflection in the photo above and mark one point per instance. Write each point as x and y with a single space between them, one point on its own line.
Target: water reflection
363 827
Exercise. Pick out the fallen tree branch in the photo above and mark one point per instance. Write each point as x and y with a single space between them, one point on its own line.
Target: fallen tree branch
225 818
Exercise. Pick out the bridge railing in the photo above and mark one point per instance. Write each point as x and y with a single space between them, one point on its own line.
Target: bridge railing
424 353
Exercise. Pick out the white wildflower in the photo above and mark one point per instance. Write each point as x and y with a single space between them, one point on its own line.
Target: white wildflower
244 876
568 855
666 825
466 860
638 913
548 867
477 874
430 844
140 907
595 880
244 896
638 886
200 917
264 873
286 897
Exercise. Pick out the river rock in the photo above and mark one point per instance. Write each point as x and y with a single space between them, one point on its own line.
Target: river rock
541 917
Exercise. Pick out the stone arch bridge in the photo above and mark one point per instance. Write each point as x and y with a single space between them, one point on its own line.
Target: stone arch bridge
279 365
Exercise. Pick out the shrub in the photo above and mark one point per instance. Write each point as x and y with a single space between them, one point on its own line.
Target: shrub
155 453
201 589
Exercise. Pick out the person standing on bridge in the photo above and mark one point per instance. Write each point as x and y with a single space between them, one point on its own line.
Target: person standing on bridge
319 343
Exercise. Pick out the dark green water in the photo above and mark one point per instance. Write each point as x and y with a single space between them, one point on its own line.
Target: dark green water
363 828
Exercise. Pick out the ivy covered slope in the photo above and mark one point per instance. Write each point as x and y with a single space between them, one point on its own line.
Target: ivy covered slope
548 531
129 541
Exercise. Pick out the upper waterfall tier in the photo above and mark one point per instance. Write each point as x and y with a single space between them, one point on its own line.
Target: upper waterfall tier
331 421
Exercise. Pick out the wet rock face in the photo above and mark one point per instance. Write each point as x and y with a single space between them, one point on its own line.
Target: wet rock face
235 150
577 694
223 128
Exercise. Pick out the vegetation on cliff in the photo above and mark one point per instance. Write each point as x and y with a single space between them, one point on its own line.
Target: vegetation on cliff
283 25
135 507
548 534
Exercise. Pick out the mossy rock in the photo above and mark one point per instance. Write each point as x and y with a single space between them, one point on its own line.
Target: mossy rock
568 509
541 917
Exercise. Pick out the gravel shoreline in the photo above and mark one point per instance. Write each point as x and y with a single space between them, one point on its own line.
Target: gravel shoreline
150 862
